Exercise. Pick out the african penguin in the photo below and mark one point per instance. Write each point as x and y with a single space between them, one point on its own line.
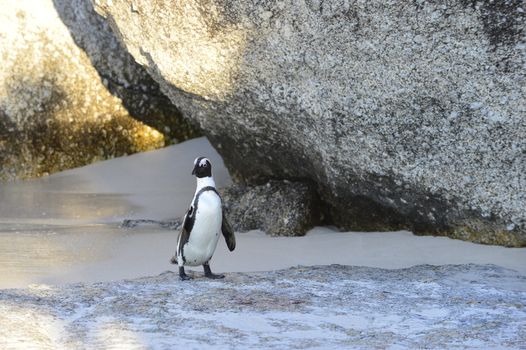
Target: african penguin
202 224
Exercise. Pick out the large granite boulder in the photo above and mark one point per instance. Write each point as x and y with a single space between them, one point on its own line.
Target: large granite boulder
404 114
56 110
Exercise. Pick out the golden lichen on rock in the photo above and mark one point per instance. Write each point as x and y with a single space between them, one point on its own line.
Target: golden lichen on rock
486 234
55 111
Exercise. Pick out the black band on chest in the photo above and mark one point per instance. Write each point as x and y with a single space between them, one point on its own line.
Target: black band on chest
207 188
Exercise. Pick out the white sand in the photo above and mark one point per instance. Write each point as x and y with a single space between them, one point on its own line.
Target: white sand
64 228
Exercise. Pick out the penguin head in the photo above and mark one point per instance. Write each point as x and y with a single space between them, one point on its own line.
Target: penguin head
202 167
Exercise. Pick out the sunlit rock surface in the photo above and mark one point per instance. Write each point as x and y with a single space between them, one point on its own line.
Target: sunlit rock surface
323 307
405 115
56 110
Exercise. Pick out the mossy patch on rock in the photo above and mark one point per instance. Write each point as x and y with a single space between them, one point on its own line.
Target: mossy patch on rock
485 233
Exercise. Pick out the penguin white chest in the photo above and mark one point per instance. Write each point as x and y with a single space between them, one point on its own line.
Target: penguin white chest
206 230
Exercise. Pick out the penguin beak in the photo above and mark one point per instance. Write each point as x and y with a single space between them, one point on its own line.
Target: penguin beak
193 171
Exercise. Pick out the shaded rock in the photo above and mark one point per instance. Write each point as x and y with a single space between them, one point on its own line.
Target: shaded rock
329 307
169 224
56 110
405 115
280 208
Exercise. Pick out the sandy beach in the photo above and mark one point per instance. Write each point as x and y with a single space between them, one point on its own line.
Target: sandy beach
65 228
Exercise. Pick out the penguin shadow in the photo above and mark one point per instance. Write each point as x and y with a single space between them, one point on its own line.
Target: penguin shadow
193 275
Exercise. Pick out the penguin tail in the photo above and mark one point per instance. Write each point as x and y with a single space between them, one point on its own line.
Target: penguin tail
173 260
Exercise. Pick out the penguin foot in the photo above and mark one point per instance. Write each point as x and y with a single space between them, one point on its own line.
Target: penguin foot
214 276
209 274
182 275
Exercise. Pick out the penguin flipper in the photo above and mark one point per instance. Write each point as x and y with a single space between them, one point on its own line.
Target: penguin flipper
228 233
184 236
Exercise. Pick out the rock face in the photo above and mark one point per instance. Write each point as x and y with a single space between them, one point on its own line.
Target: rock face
121 75
405 115
329 307
56 112
280 208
